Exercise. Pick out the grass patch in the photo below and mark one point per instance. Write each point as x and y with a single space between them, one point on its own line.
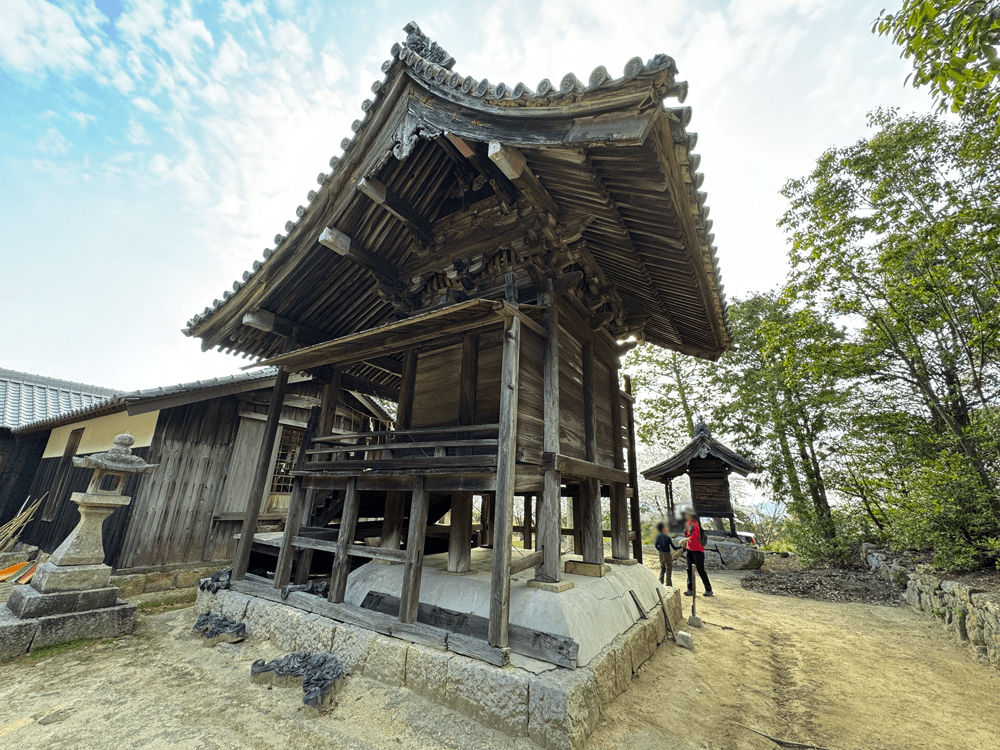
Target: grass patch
169 603
62 648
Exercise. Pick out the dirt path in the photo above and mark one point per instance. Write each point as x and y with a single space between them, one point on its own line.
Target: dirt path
160 689
842 676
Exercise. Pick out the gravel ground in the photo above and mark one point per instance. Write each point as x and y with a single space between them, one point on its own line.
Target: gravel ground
827 584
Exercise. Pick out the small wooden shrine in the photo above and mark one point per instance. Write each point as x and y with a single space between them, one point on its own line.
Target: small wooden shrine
707 462
478 255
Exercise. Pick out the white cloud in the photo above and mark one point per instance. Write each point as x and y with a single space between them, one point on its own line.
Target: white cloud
146 105
36 36
81 118
233 10
53 142
137 134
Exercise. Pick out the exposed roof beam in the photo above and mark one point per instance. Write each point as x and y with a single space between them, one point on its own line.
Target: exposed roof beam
514 166
379 193
346 247
361 385
264 320
458 149
613 213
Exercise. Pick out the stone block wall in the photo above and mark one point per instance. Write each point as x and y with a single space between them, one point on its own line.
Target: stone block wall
554 707
970 614
164 579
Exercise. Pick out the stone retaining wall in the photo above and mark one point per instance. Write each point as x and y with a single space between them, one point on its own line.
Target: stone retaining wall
972 615
164 579
554 707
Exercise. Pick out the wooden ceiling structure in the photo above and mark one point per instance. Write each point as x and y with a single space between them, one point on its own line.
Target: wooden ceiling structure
593 184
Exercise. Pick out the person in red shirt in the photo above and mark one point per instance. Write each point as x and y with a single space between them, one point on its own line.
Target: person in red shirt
695 551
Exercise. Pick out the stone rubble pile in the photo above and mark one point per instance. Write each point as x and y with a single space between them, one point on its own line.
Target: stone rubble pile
721 555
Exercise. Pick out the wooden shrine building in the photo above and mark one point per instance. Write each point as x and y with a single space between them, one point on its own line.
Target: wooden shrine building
708 463
479 254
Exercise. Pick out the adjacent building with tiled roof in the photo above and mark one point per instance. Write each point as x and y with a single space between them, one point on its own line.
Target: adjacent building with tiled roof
28 398
204 435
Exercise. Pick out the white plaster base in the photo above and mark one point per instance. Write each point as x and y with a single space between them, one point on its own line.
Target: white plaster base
593 612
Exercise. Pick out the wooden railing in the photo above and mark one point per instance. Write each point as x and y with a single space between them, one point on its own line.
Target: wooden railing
416 450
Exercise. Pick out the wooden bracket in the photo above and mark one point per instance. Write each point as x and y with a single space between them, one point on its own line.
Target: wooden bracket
346 247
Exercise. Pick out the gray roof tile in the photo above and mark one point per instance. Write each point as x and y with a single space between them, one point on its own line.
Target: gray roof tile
28 398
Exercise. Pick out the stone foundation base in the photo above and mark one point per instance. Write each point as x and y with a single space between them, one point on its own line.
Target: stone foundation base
552 706
26 603
51 578
18 637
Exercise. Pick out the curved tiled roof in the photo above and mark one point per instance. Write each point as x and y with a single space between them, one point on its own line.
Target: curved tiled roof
28 398
702 446
640 84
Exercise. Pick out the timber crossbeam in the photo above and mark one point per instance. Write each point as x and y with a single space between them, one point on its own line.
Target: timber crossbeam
528 561
385 624
580 469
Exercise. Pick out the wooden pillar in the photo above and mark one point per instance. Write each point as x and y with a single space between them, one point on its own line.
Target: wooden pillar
486 519
329 402
414 565
633 473
395 502
550 508
619 504
526 526
576 514
241 560
591 522
345 538
504 500
295 508
460 536
304 565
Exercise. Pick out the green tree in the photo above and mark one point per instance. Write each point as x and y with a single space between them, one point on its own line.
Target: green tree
781 400
953 46
670 389
899 234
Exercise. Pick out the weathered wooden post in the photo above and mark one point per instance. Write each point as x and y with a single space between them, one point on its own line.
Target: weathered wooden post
504 500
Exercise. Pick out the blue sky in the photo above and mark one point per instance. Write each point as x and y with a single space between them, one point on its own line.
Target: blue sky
150 151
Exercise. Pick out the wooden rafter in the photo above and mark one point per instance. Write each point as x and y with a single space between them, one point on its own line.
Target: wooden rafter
392 203
614 215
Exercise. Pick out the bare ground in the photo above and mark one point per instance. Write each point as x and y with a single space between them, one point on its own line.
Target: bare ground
843 676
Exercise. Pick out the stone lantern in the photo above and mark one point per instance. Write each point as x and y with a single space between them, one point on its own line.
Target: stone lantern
69 596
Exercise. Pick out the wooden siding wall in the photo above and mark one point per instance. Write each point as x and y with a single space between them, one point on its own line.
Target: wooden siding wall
18 470
435 399
172 513
571 432
437 387
710 487
50 534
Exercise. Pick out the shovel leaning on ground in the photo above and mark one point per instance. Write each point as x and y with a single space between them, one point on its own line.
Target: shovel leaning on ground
694 621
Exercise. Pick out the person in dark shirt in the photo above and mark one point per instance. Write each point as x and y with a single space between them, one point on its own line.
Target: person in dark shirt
695 551
665 546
